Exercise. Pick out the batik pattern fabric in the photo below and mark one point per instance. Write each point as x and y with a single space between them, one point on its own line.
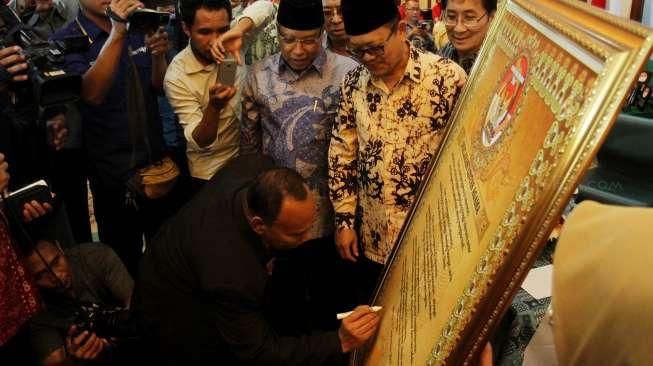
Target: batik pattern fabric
382 143
19 299
266 42
289 116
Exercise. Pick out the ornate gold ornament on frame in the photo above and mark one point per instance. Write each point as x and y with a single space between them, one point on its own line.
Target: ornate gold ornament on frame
543 94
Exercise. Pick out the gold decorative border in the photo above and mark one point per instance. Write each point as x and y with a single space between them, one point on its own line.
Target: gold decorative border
559 141
623 24
525 197
572 33
556 143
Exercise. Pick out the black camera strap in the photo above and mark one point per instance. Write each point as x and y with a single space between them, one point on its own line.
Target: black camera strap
137 112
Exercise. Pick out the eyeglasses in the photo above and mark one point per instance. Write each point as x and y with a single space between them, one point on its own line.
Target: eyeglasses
375 51
451 20
331 13
291 41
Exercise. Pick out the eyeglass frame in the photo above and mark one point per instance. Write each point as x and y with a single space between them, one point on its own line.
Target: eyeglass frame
301 41
462 21
377 50
330 13
417 9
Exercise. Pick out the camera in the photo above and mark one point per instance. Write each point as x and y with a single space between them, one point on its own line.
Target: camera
51 85
105 321
147 21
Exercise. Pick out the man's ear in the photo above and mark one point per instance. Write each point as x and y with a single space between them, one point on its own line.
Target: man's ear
257 224
186 29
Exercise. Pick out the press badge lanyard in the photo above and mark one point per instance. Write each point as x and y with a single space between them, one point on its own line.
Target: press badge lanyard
83 30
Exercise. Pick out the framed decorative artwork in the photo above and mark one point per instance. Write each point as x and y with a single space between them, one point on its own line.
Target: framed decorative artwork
542 96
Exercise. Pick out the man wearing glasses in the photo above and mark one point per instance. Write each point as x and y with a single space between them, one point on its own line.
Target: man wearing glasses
335 27
290 102
467 23
392 115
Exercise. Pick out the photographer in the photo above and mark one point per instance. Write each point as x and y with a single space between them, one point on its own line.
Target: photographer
24 139
118 63
84 273
418 30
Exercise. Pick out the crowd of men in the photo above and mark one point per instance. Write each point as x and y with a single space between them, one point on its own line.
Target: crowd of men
295 178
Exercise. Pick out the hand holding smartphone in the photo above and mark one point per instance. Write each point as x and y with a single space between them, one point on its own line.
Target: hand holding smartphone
37 191
227 72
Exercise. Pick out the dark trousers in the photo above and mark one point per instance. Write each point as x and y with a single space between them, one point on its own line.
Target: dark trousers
311 284
123 225
367 273
69 183
304 288
120 225
358 281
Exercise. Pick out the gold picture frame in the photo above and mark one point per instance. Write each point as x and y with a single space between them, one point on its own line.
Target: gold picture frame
542 96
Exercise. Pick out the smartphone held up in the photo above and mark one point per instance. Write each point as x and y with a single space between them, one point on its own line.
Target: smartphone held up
227 72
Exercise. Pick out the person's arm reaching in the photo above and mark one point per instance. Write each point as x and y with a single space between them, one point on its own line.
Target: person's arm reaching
99 77
200 124
252 21
241 324
206 131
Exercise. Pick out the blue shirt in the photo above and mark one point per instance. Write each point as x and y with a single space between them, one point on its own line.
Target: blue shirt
105 127
289 117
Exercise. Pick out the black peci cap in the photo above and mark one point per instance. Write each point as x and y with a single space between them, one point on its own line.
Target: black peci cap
301 14
364 16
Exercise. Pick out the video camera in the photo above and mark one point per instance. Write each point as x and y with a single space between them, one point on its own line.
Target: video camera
147 21
51 85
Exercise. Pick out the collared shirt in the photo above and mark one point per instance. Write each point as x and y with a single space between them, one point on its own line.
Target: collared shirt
45 26
105 126
328 44
289 116
187 84
383 142
466 62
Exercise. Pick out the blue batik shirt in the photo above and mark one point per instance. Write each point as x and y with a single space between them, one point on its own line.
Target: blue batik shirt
289 116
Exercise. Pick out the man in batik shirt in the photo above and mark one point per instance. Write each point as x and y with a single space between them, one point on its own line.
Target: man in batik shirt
290 102
392 115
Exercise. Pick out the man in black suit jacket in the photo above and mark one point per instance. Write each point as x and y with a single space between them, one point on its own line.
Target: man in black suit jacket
202 289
